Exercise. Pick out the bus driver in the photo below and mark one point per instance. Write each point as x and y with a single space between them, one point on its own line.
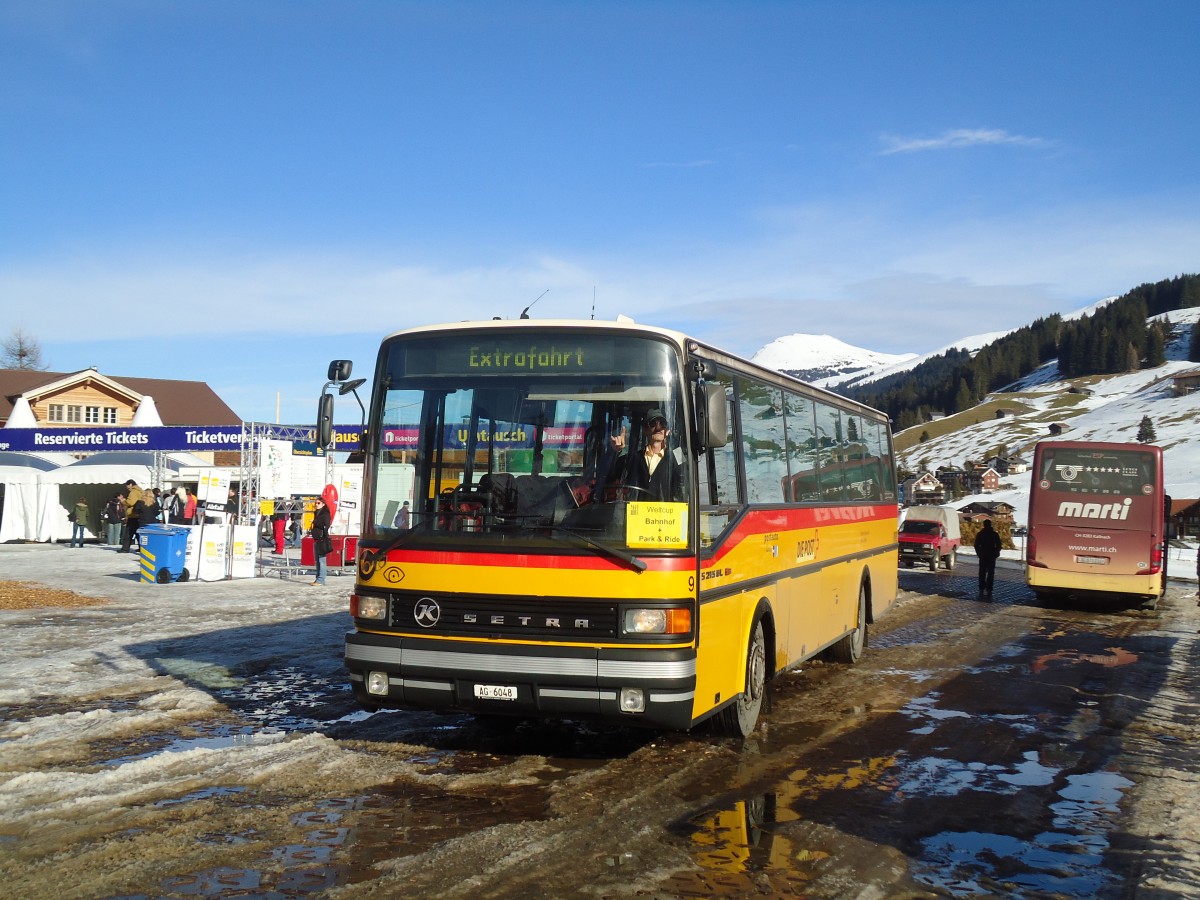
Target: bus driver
654 471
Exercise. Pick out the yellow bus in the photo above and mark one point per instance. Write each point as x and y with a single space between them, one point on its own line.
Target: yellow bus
519 555
1097 520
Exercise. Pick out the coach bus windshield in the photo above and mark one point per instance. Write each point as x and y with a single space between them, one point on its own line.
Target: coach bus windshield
530 439
1101 472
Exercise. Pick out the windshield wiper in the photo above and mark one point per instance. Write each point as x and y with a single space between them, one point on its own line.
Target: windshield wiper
621 555
400 540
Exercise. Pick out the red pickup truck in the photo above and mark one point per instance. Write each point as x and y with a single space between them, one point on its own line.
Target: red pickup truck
930 535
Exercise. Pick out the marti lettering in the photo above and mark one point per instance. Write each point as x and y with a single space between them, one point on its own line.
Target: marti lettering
1117 512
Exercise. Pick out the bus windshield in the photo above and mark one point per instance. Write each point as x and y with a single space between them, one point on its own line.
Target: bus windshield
530 440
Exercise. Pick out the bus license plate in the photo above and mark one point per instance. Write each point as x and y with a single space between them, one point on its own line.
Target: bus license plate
495 692
1092 560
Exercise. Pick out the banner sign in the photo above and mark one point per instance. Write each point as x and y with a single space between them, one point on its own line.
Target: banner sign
174 438
455 437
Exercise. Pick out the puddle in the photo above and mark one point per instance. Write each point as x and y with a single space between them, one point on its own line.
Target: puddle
204 794
224 738
342 839
290 699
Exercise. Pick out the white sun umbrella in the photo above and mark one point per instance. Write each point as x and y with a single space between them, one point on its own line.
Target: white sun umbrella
147 414
21 415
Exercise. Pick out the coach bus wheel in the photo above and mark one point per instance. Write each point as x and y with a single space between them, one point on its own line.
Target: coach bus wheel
850 648
740 717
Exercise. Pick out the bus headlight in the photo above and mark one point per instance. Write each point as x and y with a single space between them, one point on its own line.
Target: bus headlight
633 700
368 607
658 621
377 683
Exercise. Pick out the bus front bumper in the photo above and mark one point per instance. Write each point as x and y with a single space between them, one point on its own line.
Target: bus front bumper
523 679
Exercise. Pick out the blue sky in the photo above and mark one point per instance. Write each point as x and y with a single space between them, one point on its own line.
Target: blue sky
237 192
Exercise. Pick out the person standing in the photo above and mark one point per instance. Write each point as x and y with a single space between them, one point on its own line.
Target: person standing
279 528
133 496
404 517
189 508
987 549
148 509
114 517
79 518
322 545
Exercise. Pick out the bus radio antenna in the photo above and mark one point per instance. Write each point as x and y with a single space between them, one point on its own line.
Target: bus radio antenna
525 311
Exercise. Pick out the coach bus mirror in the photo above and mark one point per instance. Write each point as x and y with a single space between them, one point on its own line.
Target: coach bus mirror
325 420
712 425
340 369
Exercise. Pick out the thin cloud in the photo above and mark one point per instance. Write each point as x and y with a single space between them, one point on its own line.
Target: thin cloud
960 139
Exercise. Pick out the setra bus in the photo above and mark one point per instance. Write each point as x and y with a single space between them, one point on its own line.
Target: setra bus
539 569
1097 520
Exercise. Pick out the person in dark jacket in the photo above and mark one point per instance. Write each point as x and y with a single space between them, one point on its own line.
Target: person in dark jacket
114 516
322 545
654 471
987 549
133 495
148 508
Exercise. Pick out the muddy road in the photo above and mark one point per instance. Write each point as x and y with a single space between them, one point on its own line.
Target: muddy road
982 747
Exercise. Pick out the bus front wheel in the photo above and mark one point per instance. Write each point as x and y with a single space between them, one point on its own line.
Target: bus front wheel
739 718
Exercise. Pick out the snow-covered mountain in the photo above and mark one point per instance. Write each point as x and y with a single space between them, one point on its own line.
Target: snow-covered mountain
822 359
827 362
1101 408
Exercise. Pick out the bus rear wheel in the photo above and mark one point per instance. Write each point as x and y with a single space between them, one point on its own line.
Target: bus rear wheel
740 717
850 647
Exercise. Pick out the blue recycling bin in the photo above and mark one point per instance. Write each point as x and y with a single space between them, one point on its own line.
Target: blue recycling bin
163 551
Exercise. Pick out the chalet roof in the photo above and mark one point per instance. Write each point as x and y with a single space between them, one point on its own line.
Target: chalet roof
984 506
1179 506
178 402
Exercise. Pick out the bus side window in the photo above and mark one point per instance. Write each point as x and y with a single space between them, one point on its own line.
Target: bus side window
717 478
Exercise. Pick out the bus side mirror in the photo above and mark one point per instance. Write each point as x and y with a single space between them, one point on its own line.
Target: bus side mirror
712 423
340 369
325 420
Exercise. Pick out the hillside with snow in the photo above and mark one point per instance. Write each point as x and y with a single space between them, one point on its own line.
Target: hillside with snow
822 359
1102 408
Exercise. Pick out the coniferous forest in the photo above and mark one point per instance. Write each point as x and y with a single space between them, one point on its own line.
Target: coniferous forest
1115 338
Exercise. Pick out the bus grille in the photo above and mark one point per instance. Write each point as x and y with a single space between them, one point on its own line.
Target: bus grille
554 618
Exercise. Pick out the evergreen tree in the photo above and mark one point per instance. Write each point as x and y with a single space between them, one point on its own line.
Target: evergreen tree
1194 349
1156 353
1146 434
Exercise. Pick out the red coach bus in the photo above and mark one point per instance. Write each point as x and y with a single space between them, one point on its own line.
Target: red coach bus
1097 520
609 520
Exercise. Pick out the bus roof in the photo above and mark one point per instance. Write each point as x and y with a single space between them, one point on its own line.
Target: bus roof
684 342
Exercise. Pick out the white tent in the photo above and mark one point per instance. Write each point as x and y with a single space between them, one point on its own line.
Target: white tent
20 475
97 479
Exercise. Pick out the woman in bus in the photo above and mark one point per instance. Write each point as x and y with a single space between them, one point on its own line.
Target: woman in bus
654 470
